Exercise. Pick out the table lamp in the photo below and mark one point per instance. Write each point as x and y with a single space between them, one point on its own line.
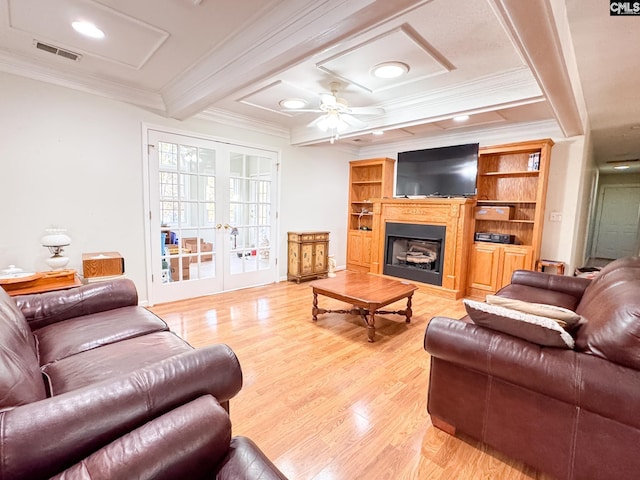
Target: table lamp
55 240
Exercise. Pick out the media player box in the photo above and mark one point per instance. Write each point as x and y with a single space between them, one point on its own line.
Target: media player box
495 237
501 212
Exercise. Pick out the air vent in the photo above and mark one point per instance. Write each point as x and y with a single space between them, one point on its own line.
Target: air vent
57 51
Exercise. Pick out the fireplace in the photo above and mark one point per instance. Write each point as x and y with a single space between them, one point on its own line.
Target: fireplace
414 252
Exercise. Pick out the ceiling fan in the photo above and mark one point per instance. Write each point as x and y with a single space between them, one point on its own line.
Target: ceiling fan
337 116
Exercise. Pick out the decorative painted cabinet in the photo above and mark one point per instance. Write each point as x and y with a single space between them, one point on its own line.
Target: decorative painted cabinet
308 255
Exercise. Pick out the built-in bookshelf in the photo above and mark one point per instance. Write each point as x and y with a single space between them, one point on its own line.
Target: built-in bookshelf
368 180
513 176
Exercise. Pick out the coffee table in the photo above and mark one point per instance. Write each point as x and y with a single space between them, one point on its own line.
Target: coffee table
367 293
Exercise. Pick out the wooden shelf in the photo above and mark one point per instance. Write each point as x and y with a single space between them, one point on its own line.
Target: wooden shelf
504 202
368 179
518 173
504 178
507 221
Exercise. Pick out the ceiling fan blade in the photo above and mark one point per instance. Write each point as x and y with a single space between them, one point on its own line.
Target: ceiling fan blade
297 110
366 110
314 122
353 121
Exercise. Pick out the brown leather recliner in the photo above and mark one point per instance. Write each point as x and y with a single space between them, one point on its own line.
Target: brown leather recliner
572 413
91 384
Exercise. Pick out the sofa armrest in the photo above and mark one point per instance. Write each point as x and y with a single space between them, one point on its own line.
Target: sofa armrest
183 443
552 371
42 309
42 438
574 286
245 461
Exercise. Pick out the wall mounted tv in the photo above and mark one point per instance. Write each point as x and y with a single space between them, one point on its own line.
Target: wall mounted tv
438 172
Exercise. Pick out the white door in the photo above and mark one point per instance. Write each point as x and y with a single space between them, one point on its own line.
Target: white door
212 212
617 223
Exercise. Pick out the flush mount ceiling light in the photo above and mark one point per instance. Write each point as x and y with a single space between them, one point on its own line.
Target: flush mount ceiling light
377 132
87 29
292 103
623 164
461 118
390 70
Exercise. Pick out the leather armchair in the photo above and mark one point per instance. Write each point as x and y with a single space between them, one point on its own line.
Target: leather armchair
569 412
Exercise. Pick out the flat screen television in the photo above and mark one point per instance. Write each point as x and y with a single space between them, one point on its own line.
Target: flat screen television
438 172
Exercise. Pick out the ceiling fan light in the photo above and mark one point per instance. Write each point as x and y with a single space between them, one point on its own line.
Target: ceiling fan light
341 126
333 119
390 70
293 103
323 124
87 29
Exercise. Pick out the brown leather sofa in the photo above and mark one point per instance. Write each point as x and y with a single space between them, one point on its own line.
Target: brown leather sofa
572 413
94 386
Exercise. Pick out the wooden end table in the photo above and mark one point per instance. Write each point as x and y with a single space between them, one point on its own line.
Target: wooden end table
367 293
41 282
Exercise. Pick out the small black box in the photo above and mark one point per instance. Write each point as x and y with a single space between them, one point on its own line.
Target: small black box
495 237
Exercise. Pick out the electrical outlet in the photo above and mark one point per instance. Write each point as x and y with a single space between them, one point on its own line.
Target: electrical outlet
555 217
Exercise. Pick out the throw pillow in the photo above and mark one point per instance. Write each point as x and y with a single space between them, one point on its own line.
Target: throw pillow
567 319
533 328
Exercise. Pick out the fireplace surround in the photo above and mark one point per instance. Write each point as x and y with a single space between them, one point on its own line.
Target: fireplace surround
455 215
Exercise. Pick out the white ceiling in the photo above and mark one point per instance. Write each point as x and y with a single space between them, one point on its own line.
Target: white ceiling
499 60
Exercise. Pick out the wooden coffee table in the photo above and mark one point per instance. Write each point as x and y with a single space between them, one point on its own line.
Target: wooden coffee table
367 293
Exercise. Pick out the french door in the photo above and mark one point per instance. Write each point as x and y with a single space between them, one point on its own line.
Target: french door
212 216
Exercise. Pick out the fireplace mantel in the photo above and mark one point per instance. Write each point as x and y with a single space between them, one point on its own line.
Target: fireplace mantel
455 214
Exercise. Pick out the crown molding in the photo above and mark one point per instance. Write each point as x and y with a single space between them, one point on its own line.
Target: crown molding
485 136
510 85
241 121
507 89
85 83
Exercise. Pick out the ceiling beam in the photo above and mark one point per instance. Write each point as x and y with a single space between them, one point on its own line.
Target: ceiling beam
532 28
293 31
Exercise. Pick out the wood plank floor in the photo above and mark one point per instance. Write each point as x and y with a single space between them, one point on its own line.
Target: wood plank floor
322 402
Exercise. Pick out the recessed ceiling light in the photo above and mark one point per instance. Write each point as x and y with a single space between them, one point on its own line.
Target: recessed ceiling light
293 103
390 69
87 29
621 167
377 132
461 118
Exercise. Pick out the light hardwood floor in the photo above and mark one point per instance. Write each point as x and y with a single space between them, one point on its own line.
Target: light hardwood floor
322 402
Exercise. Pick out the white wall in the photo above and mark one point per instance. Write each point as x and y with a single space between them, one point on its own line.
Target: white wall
566 191
74 160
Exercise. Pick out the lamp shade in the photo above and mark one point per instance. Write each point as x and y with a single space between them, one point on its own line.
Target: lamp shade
55 238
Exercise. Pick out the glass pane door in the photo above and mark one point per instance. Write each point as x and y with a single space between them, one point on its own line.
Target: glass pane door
212 214
250 257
